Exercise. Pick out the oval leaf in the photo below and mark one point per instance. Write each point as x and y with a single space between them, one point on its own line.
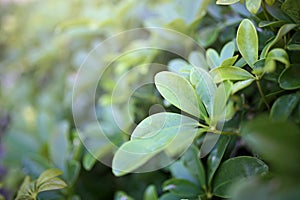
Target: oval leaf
289 78
253 5
150 193
284 106
241 85
230 73
247 41
235 169
53 184
179 92
48 175
153 135
182 188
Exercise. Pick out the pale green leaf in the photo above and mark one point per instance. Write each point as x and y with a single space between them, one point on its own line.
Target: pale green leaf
179 92
230 73
227 2
153 135
253 5
229 61
52 184
247 41
212 58
48 175
227 51
239 85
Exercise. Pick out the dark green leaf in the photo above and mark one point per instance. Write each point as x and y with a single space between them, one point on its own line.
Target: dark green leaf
235 169
150 193
215 157
284 106
292 9
182 188
273 140
169 196
289 78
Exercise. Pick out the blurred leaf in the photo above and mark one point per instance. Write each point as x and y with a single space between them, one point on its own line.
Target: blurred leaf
48 175
284 106
227 2
182 188
153 135
270 2
219 105
230 73
215 157
227 51
180 67
247 41
292 9
180 93
122 196
273 140
289 78
170 196
253 5
234 170
197 59
52 184
150 193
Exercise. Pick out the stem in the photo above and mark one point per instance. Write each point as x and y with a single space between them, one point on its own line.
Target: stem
223 132
262 94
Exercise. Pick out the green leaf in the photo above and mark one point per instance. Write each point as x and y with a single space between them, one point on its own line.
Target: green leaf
192 162
235 169
47 176
213 59
289 78
253 5
205 87
180 67
270 2
182 188
215 157
197 59
230 73
52 184
281 32
227 2
239 85
150 193
169 196
272 140
179 92
219 105
229 61
292 9
284 106
227 51
153 135
279 55
247 42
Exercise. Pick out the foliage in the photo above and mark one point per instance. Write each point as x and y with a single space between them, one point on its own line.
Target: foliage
232 112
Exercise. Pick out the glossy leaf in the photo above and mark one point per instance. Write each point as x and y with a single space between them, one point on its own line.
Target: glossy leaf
182 188
235 169
150 193
205 87
289 78
227 2
284 106
230 73
179 92
153 135
253 5
281 32
247 42
215 157
239 85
